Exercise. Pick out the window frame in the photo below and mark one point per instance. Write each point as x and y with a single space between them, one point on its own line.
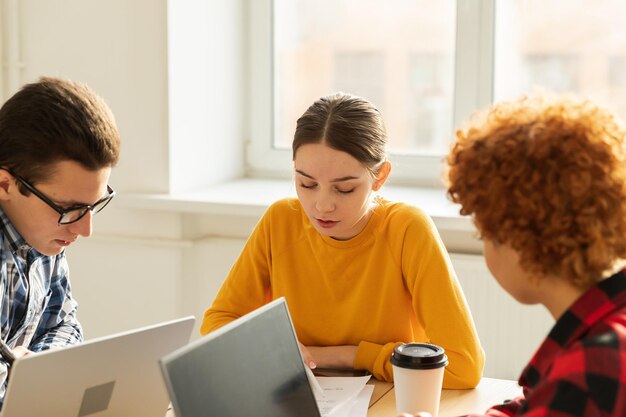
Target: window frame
473 90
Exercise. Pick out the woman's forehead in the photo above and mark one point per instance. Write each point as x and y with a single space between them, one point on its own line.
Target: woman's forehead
320 161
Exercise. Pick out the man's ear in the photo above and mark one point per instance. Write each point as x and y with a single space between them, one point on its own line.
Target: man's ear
6 182
382 176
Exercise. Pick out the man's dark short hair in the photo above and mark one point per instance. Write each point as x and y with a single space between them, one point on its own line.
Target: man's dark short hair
54 120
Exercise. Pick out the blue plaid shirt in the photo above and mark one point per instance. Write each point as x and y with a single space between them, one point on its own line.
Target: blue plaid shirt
36 305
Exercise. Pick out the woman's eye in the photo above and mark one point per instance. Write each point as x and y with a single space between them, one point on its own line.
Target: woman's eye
307 186
345 191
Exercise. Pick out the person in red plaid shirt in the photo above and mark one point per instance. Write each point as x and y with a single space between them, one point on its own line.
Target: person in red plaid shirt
544 179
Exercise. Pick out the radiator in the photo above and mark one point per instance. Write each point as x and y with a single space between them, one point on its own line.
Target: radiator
510 333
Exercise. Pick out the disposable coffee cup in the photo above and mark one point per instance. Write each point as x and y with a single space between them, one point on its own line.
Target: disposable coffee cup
418 377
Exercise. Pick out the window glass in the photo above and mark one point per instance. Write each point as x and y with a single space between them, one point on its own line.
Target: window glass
562 46
399 54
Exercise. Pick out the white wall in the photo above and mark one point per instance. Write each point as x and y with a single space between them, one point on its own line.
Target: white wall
172 72
118 47
169 109
119 285
206 92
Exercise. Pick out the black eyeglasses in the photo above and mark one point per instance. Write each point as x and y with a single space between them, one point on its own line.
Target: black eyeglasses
73 214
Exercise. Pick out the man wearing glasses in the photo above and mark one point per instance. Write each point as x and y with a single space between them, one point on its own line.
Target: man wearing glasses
58 143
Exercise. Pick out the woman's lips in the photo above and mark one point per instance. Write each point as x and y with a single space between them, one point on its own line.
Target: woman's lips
326 224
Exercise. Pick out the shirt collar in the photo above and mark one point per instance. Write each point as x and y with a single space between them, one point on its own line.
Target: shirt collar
16 242
593 306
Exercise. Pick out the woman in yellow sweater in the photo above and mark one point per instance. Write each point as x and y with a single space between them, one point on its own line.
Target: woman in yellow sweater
360 274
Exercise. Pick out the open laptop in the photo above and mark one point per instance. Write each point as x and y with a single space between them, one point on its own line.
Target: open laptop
250 367
116 375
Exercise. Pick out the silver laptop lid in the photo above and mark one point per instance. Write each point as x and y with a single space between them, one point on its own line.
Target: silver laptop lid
116 375
250 367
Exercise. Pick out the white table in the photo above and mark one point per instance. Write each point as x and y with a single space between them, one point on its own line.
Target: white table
489 392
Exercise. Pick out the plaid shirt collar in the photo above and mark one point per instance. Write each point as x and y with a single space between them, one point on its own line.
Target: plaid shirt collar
593 306
15 241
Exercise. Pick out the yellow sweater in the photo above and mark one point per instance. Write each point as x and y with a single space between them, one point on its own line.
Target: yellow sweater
391 283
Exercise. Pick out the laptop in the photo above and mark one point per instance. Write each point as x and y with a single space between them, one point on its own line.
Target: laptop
250 367
116 375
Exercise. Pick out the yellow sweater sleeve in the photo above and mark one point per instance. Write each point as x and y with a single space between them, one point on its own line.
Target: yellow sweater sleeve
437 300
375 358
440 305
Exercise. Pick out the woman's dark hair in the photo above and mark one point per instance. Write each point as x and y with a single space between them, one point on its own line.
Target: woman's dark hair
346 123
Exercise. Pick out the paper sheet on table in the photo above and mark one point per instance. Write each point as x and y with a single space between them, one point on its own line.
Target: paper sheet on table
358 407
341 395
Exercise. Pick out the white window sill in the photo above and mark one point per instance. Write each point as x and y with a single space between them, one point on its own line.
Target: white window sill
251 197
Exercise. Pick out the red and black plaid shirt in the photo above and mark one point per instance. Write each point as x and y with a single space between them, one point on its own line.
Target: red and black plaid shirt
580 369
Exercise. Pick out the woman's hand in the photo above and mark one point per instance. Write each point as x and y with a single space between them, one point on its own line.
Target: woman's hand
307 357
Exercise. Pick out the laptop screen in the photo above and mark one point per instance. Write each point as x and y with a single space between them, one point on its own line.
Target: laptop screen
250 367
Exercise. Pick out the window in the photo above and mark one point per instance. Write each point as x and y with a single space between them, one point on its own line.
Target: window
562 46
557 72
399 54
370 49
617 71
426 64
360 72
428 103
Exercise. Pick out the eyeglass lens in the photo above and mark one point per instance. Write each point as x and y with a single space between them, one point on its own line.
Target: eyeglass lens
75 215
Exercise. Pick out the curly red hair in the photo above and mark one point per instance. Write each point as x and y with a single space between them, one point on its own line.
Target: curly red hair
547 176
